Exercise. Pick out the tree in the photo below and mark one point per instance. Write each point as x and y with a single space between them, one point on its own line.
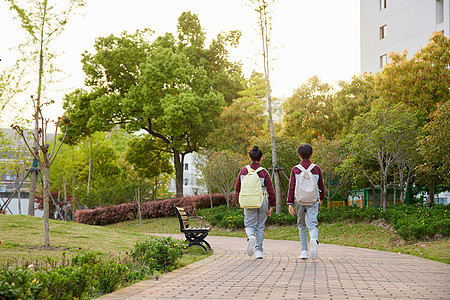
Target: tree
309 112
43 23
420 82
378 136
352 99
219 172
265 27
330 155
173 90
243 120
434 145
147 159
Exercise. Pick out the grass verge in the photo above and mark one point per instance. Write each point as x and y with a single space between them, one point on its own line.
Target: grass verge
21 238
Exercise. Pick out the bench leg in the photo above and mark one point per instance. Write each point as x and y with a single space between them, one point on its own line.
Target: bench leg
198 239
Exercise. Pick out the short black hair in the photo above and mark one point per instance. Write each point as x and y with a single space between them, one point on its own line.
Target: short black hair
305 151
255 154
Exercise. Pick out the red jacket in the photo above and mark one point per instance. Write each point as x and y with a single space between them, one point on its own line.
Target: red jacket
316 170
262 174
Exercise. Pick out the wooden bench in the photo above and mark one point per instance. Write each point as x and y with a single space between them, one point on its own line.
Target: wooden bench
194 235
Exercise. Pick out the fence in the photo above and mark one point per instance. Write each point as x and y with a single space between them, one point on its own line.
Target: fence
418 194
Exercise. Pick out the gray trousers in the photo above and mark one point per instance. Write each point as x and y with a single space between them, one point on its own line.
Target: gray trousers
307 218
255 222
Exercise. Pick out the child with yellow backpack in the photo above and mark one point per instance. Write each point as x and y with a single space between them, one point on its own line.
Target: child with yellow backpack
253 185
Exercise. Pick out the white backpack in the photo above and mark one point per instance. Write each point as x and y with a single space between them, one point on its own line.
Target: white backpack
252 189
306 190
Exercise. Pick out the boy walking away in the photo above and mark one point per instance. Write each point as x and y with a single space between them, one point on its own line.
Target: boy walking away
306 193
253 185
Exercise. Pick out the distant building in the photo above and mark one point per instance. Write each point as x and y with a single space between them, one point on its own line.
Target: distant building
398 25
15 161
191 178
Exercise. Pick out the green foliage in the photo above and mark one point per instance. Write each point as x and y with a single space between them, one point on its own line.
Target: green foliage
159 254
434 145
411 222
309 111
145 156
351 100
420 82
86 275
329 155
19 283
384 135
174 89
243 120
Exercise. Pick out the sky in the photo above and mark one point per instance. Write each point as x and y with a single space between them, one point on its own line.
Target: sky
308 38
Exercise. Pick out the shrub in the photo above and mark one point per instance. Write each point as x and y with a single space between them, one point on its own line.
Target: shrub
19 283
159 254
410 221
151 209
87 276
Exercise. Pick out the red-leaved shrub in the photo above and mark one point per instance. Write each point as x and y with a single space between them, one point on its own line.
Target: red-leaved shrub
151 209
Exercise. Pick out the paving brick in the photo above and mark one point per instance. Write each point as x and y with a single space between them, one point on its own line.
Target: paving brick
339 273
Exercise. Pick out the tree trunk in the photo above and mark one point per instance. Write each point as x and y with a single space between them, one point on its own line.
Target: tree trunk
375 195
90 168
276 174
32 196
179 161
66 213
431 193
73 187
46 185
383 190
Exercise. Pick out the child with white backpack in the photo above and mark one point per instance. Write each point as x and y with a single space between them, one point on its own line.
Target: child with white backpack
306 194
253 185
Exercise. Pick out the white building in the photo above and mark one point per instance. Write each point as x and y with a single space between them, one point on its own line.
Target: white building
191 178
398 25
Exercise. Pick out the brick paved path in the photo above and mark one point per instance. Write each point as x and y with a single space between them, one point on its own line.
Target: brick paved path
339 273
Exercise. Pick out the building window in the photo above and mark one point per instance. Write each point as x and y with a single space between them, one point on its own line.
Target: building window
9 177
439 11
382 32
383 60
186 167
383 4
186 181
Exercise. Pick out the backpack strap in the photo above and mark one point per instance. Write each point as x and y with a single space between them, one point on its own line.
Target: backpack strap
303 169
300 167
311 167
257 170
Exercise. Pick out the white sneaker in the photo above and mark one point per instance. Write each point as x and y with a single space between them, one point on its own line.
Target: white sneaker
258 254
251 245
314 249
304 254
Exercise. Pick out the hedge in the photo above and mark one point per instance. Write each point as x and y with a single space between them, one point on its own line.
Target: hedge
151 209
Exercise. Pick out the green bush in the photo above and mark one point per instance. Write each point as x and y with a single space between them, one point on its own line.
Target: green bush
86 275
19 283
67 282
160 253
412 222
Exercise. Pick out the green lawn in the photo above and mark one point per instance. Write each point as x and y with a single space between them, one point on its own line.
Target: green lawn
21 238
